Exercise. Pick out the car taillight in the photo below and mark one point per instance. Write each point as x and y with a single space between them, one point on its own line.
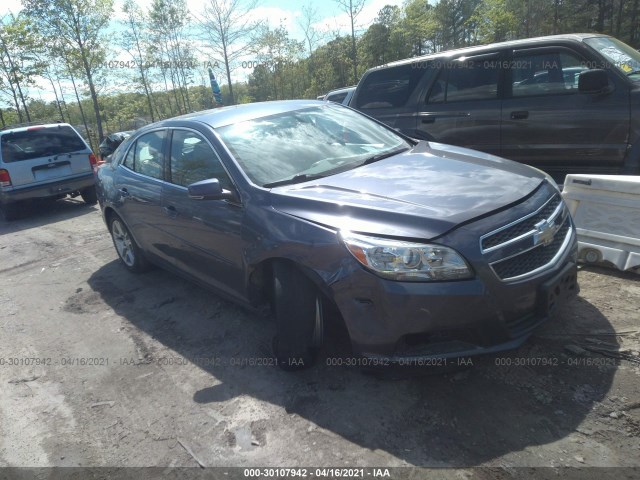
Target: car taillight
5 178
93 161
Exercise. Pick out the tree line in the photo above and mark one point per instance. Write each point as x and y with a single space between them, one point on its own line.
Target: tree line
110 75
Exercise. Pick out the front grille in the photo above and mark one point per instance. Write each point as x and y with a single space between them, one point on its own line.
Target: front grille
522 227
532 259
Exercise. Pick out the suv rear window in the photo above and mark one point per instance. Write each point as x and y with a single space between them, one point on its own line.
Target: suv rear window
389 87
39 142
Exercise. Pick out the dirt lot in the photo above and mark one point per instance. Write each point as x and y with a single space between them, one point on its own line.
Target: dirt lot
94 372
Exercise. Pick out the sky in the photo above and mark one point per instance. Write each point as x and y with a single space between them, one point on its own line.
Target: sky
330 19
276 12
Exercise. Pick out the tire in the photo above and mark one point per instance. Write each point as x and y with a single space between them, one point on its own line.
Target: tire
10 211
89 195
299 315
128 250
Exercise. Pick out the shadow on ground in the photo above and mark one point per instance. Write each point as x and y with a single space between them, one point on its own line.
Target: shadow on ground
43 212
504 403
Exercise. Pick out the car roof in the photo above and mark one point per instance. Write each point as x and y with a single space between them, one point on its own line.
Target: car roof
34 126
340 90
220 117
576 37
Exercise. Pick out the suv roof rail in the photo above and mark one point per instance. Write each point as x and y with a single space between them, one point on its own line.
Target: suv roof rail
28 124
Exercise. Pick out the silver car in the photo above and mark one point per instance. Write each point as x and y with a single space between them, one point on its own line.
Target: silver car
44 161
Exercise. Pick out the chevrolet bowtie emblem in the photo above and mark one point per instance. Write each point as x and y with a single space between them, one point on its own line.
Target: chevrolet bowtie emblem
545 232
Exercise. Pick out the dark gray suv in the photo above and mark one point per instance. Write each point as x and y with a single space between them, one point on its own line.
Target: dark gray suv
426 250
564 104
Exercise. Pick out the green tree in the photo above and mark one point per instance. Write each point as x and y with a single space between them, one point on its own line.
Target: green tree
278 53
419 27
495 21
453 23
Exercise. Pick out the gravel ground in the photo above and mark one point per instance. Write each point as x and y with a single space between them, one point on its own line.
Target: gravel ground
99 367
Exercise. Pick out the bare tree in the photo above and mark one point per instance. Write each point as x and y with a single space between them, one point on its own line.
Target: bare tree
168 22
229 28
306 21
133 42
79 26
353 8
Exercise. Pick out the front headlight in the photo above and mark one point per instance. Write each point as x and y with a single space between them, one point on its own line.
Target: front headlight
407 261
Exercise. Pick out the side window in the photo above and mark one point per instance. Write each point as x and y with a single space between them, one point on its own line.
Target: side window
148 154
388 87
145 155
466 80
128 161
193 159
549 73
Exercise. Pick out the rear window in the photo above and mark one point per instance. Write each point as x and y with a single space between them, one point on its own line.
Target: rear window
389 87
40 142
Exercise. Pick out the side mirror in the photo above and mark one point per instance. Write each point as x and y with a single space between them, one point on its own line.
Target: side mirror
209 190
593 81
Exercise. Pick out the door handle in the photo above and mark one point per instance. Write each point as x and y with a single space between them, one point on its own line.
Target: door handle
521 115
170 210
430 117
124 192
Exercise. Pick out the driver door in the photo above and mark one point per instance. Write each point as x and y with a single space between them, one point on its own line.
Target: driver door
205 236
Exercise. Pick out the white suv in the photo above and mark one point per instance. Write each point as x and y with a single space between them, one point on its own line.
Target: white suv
44 161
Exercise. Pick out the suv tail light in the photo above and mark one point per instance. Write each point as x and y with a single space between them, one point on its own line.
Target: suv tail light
5 178
93 161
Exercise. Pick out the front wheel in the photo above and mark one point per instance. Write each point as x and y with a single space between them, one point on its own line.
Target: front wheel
127 248
299 318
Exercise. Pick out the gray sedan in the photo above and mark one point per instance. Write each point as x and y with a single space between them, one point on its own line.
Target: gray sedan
426 250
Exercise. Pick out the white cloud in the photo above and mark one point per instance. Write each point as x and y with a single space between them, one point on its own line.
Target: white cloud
10 6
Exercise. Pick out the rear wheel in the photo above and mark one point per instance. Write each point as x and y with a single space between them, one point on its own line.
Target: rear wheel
10 211
299 317
89 195
127 248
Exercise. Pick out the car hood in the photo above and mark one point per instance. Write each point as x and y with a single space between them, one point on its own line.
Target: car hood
422 193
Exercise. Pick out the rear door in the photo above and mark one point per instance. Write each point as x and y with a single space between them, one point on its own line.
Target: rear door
462 105
43 154
138 184
547 123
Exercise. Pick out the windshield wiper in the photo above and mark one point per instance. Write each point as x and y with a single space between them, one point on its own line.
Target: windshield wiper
301 177
633 72
381 156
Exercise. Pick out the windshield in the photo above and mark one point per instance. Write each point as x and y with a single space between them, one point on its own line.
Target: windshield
621 55
312 142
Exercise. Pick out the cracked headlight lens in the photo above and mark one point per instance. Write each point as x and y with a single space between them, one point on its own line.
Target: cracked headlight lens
407 261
